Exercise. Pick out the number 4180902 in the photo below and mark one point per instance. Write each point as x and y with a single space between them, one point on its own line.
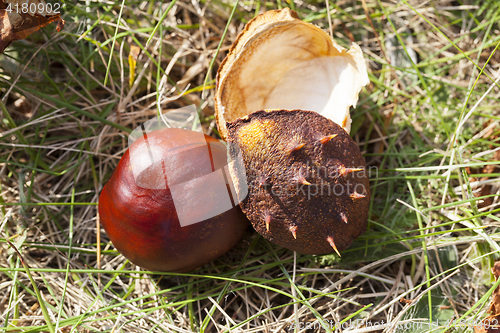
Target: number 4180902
33 8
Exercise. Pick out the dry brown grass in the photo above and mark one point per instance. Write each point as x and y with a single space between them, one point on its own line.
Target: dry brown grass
55 148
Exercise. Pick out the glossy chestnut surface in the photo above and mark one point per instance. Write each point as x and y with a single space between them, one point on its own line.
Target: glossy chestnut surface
142 217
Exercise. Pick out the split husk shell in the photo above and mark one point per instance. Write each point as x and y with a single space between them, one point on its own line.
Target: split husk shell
281 62
308 187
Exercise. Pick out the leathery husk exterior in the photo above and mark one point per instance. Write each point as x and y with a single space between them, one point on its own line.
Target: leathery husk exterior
308 188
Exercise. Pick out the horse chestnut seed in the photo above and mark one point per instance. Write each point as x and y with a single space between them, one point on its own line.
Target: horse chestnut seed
168 205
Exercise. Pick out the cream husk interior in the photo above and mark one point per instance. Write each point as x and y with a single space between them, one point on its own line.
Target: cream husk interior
281 62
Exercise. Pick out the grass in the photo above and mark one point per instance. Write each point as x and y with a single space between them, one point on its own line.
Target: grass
428 126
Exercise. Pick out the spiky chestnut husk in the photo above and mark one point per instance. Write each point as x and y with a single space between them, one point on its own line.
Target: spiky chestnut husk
308 186
142 222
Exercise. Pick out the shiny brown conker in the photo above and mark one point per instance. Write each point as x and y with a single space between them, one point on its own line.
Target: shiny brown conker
162 206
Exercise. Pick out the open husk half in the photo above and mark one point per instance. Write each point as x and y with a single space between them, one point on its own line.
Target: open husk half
281 62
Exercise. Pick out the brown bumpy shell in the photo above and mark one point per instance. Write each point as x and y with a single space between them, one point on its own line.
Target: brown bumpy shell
308 188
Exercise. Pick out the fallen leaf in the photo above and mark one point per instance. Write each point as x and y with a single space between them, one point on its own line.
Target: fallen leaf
485 189
405 301
15 25
491 324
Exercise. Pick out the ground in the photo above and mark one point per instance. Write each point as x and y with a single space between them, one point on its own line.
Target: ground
427 125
